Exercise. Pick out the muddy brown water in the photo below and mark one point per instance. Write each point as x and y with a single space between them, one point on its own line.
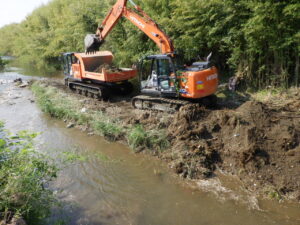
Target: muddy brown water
111 185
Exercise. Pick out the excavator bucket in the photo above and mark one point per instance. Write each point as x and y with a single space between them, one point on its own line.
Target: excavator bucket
92 43
93 61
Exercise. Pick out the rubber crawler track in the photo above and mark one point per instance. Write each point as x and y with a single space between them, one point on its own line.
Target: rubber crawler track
157 103
142 102
90 90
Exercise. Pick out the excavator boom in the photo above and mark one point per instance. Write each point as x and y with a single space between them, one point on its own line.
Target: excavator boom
137 17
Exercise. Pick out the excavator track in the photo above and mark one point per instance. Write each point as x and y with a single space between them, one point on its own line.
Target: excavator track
90 90
157 103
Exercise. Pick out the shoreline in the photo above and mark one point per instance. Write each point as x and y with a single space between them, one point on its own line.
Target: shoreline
195 142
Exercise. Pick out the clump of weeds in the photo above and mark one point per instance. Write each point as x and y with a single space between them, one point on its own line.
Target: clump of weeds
24 175
139 138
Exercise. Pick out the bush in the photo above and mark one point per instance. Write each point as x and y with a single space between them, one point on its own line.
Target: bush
2 63
24 174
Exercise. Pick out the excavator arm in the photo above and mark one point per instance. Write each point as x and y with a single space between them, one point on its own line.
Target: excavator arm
137 17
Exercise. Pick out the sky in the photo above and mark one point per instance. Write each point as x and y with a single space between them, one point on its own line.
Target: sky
14 11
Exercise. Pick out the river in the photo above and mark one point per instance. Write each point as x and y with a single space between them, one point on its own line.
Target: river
112 185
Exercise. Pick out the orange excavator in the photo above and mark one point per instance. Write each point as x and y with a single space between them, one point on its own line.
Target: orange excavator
92 75
165 84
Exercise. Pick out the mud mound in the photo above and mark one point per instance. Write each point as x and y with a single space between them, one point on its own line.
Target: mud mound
255 142
182 124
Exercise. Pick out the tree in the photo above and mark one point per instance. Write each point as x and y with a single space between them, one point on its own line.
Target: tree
256 40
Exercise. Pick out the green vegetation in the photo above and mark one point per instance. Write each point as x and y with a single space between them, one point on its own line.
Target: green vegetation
2 63
276 96
273 194
256 40
63 106
24 174
108 129
139 137
71 157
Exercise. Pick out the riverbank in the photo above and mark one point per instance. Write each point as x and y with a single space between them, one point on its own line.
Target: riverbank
257 141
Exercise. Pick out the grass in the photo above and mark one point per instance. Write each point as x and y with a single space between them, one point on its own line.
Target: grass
267 94
272 193
108 129
139 137
276 95
63 106
24 173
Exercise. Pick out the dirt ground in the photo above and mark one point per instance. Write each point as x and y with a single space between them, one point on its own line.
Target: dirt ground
258 142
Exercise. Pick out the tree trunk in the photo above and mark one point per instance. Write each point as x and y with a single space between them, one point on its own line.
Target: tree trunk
297 70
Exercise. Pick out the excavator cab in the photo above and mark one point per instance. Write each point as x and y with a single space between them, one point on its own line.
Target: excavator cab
68 59
158 76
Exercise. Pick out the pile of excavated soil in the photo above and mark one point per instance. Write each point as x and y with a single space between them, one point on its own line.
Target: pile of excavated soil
257 142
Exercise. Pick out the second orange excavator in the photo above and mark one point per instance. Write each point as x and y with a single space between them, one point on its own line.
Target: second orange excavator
165 84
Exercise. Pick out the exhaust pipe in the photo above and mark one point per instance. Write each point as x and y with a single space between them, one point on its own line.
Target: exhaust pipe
92 43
